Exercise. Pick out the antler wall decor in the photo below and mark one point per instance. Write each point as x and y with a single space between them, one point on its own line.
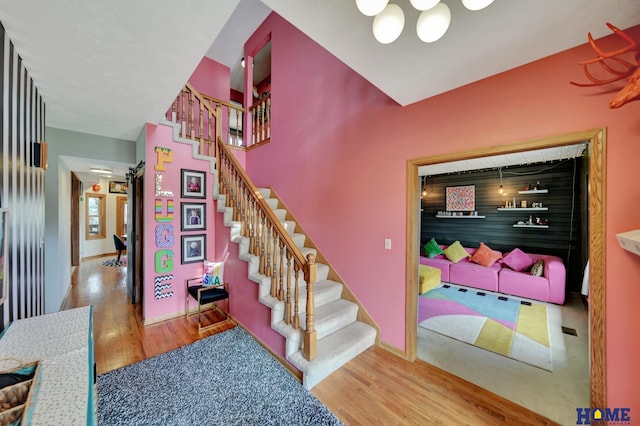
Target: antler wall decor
631 91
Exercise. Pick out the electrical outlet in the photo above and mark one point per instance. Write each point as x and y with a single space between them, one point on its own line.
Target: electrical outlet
387 243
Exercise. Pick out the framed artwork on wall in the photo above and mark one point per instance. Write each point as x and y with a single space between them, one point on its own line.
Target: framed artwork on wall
193 183
193 216
193 248
118 187
461 198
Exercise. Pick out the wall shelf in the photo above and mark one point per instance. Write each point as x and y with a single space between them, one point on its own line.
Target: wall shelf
523 209
459 217
531 226
534 191
630 241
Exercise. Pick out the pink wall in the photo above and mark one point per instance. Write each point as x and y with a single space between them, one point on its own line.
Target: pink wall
173 157
212 78
338 159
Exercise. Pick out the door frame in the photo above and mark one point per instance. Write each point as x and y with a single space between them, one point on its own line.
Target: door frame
596 139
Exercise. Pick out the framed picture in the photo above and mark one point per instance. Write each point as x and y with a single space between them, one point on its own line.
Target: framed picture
193 248
461 198
193 184
4 260
193 216
118 187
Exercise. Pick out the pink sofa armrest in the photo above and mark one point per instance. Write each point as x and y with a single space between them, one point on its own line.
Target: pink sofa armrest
556 273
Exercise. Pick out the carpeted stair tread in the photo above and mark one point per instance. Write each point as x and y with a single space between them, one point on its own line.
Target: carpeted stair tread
331 317
272 202
334 351
265 192
299 239
290 226
281 214
326 291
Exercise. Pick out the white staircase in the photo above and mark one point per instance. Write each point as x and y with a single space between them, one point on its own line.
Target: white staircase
341 337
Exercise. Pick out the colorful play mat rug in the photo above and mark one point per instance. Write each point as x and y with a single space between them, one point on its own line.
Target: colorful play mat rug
505 325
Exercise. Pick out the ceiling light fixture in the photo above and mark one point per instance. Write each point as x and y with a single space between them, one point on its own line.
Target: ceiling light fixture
424 186
100 170
500 171
432 23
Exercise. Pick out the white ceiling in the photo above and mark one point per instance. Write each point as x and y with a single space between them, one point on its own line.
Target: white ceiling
81 166
107 67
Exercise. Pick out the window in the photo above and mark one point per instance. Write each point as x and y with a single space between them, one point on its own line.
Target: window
95 216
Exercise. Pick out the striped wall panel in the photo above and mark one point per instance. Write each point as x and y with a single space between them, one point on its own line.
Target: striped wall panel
21 186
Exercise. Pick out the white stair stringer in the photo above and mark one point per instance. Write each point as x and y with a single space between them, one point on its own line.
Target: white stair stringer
341 337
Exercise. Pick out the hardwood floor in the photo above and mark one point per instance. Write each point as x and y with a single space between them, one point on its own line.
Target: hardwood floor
376 388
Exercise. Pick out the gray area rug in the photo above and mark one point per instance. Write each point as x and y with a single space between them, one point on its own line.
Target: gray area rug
224 379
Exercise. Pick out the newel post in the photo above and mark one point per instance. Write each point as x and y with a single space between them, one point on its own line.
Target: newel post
310 337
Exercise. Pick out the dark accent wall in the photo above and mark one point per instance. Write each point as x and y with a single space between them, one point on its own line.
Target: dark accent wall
21 186
563 238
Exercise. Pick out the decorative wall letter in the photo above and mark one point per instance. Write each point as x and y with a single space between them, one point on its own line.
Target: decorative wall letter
164 264
164 236
160 216
160 286
159 191
163 155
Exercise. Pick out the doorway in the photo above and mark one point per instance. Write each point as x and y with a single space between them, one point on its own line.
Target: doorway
596 196
121 216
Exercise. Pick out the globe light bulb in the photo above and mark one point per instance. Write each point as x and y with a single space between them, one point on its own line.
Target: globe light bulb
433 23
476 4
388 24
371 7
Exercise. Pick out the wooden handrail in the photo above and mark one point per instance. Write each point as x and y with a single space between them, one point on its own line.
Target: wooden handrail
260 199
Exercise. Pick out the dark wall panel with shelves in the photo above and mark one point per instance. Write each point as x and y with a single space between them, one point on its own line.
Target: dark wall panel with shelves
563 238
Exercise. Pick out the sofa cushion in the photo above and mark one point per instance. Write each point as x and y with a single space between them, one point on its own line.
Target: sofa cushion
518 260
485 256
432 249
538 268
455 252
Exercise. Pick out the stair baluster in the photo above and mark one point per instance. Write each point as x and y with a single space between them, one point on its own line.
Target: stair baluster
281 281
252 228
274 273
296 285
287 298
310 349
268 238
191 115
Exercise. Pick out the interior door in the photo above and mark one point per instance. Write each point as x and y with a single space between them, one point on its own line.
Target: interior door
138 240
75 219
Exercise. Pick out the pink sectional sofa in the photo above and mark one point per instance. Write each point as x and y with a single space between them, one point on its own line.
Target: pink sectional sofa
550 287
